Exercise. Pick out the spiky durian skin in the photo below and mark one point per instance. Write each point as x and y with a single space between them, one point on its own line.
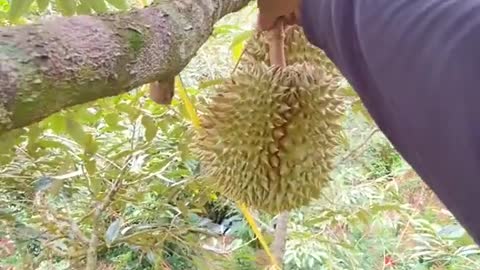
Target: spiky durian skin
269 135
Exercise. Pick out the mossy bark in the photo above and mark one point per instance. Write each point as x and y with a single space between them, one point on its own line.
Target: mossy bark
63 62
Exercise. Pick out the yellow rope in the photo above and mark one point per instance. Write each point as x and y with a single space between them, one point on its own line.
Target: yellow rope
243 208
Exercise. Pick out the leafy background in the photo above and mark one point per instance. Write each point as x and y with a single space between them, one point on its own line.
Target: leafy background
120 169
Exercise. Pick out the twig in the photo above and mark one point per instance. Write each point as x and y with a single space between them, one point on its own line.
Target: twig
99 209
153 175
280 236
354 151
63 224
263 225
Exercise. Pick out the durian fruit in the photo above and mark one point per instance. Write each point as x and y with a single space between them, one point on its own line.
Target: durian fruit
269 134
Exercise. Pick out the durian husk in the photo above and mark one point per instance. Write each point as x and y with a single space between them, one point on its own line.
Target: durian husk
269 134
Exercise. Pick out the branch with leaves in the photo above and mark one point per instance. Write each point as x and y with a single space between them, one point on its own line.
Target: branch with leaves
61 62
53 219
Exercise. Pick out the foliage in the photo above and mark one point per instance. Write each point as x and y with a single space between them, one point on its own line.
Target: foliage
120 169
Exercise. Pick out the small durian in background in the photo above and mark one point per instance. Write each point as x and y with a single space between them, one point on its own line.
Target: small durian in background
269 136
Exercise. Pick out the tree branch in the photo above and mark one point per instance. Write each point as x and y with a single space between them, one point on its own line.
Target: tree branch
63 62
66 226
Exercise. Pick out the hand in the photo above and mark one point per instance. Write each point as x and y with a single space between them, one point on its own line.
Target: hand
272 10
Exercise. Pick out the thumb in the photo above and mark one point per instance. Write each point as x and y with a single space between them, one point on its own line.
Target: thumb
265 22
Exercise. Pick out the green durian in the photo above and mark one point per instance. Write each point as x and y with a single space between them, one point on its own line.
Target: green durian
269 134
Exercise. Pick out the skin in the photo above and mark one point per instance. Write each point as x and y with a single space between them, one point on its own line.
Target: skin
270 11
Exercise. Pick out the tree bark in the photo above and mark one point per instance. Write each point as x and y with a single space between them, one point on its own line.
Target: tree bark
63 62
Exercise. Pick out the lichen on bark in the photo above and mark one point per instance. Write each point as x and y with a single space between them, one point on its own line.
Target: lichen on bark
135 41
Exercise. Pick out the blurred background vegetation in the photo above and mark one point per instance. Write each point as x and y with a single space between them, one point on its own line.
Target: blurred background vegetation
120 169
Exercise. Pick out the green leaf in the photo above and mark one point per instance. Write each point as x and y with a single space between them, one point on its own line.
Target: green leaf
158 188
238 43
112 119
122 154
9 139
182 207
132 112
34 132
7 215
420 267
113 232
84 8
75 130
241 37
47 144
91 167
349 92
87 116
95 185
56 122
210 83
377 208
98 5
66 7
19 8
151 128
119 4
363 216
201 263
326 215
225 29
358 107
466 251
42 5
91 146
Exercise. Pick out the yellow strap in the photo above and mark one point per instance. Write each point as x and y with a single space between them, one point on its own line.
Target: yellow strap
196 123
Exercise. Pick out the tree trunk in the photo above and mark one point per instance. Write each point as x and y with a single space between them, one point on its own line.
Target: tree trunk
63 62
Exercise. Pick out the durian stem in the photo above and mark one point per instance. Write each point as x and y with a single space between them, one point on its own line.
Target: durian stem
276 43
276 40
161 92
